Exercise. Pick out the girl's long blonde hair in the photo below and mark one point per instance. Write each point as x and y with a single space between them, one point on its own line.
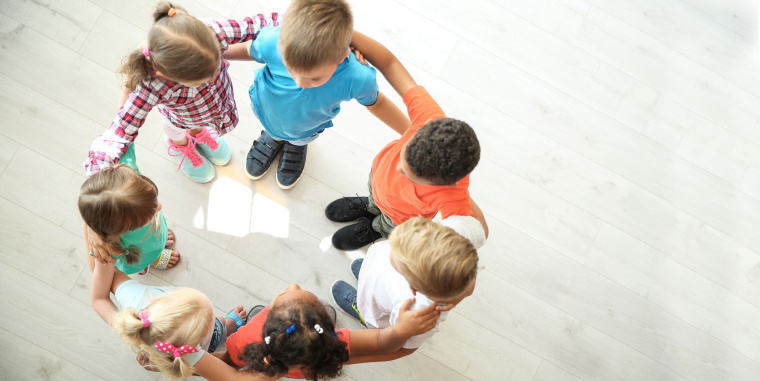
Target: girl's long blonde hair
180 317
115 201
181 47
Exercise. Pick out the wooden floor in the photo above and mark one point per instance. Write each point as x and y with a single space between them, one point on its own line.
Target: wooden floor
620 177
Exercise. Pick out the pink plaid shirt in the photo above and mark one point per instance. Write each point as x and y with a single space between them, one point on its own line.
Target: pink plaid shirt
210 105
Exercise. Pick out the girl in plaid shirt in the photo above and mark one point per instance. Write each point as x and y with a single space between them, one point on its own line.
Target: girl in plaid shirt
182 71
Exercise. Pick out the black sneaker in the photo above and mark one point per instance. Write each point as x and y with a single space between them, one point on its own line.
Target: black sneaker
355 236
344 295
348 209
292 161
261 155
356 266
253 312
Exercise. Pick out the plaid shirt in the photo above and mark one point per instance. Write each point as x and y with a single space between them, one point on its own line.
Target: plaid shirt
210 105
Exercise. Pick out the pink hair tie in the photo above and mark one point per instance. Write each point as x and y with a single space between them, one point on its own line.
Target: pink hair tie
146 53
143 315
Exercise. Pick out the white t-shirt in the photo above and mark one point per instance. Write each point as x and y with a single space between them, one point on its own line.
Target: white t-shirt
382 290
468 227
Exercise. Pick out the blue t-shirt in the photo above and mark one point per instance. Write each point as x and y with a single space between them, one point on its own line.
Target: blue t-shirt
291 113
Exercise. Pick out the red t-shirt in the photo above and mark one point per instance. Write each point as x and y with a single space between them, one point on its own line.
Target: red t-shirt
251 333
397 196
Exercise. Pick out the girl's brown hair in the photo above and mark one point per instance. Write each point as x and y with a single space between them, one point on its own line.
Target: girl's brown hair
180 317
115 201
181 47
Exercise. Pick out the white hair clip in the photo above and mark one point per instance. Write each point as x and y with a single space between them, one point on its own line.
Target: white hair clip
318 328
267 339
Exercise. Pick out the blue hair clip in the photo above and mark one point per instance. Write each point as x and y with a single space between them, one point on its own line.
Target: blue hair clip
335 334
291 329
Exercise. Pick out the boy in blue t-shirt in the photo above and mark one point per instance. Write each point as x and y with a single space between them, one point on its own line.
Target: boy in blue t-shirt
309 70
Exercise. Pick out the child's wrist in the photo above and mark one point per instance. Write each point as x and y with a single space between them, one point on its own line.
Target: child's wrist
399 330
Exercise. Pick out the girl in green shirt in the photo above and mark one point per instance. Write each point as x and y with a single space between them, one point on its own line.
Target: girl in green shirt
120 206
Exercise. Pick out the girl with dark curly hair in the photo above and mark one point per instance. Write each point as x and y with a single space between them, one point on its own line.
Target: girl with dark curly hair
296 337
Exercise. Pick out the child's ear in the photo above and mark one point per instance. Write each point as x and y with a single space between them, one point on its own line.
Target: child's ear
348 51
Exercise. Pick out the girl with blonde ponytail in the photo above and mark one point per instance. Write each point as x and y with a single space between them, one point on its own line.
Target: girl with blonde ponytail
171 328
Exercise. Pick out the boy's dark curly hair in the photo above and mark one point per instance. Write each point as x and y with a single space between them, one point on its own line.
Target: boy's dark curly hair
443 151
322 355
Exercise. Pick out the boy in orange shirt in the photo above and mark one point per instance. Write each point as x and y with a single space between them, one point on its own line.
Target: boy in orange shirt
424 172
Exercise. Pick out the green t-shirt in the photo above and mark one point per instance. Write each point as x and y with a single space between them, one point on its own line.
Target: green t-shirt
129 158
151 245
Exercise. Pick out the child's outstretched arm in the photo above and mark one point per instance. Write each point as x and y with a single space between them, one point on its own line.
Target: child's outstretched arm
389 114
239 52
391 339
212 368
238 34
479 215
382 58
102 279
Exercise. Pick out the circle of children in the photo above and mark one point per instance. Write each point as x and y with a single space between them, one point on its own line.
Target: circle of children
312 63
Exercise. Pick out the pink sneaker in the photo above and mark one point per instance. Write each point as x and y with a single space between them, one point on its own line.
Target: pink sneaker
195 167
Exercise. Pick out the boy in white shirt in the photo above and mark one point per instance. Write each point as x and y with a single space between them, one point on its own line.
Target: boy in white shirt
422 258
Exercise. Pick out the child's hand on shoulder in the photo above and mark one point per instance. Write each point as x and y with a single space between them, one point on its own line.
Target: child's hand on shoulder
359 56
96 247
417 322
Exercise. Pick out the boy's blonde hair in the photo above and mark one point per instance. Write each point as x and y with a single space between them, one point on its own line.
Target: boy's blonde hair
435 260
180 317
315 33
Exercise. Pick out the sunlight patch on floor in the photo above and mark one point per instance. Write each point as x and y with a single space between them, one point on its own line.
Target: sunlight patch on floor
269 217
228 207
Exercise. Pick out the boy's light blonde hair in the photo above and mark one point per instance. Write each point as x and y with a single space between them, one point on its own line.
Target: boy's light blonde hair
315 33
435 260
180 317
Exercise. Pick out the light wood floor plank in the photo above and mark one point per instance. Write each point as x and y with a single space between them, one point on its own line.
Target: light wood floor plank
30 362
692 85
74 333
618 149
687 240
556 336
580 75
68 23
80 89
56 204
690 32
8 148
619 174
39 248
